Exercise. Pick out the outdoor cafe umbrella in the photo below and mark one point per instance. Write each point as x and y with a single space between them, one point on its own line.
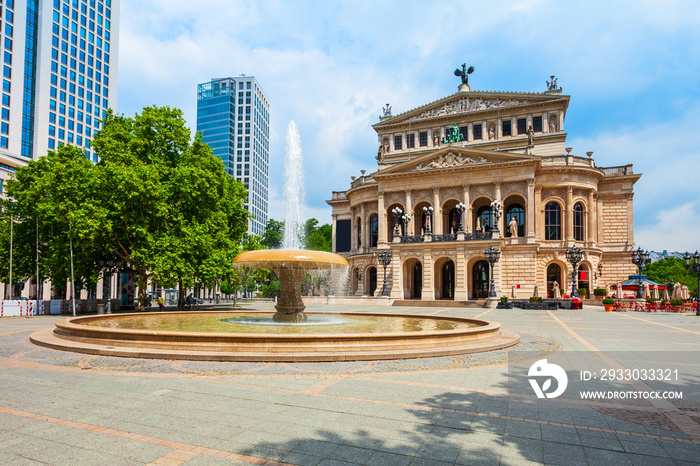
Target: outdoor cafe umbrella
536 292
665 296
676 291
514 292
619 291
685 293
645 291
655 293
556 292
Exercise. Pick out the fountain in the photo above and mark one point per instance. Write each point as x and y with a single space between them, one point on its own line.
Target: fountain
287 335
291 264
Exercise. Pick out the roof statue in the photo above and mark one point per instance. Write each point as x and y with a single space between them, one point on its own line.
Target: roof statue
452 135
552 85
464 73
387 110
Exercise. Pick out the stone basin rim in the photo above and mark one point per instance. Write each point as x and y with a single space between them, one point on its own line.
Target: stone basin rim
290 258
71 324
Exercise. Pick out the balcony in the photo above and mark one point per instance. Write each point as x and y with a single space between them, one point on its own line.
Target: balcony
475 236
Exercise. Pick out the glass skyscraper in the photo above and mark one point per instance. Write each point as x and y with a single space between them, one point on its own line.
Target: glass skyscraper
233 115
59 73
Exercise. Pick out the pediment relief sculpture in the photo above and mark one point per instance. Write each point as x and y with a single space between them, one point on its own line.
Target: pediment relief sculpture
450 160
466 105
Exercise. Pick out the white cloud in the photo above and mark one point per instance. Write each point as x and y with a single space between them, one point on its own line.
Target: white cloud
675 229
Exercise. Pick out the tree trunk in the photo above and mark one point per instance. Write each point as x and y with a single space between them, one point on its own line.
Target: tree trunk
180 294
143 283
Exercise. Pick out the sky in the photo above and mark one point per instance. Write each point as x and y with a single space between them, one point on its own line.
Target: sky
631 68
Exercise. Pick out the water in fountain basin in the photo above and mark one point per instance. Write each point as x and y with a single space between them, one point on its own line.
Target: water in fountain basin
293 190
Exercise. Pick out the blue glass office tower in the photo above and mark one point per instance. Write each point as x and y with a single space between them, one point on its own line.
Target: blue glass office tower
59 73
233 115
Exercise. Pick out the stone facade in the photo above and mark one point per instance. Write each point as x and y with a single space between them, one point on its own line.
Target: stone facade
470 149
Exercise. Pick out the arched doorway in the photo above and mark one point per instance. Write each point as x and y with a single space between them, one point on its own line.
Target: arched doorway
417 280
480 280
412 279
584 278
553 275
372 280
448 280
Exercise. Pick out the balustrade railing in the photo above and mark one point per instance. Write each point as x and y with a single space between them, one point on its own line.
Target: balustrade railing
475 236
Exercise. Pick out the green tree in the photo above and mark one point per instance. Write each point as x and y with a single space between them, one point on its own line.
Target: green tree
173 212
58 198
274 234
318 238
672 270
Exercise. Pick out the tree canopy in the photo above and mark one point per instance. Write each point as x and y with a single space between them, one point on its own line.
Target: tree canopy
158 200
672 270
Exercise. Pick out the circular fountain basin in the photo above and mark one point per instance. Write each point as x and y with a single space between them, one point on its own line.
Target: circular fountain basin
348 336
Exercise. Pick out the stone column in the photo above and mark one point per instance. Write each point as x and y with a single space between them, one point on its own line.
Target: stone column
430 137
470 133
333 231
467 215
461 276
428 291
484 130
391 143
363 226
630 220
497 196
499 129
437 212
409 210
590 216
561 121
514 126
568 232
353 230
381 218
395 279
531 209
539 220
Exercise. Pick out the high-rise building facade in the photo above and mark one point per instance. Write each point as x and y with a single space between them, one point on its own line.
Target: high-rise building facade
233 115
59 73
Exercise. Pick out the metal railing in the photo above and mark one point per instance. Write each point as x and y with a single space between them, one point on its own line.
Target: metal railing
475 236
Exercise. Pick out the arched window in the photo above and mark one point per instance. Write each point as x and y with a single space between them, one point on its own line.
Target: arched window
484 215
552 221
515 211
373 230
578 222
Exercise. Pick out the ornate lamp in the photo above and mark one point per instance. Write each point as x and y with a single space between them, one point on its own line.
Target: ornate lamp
397 215
599 274
428 218
459 208
385 259
492 255
692 263
575 256
405 218
640 258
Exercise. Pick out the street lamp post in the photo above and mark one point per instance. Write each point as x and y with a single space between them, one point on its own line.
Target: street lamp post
692 263
405 218
596 276
384 259
640 258
574 255
397 214
459 208
428 219
492 255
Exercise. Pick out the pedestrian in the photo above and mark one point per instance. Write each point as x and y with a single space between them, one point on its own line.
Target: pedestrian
160 302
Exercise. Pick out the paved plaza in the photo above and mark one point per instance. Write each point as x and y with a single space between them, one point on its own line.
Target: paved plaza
70 409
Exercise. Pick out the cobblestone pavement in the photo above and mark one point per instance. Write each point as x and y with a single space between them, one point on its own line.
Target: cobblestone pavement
65 408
